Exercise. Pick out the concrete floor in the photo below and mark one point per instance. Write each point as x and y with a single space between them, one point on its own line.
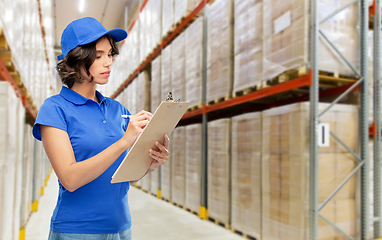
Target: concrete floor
152 219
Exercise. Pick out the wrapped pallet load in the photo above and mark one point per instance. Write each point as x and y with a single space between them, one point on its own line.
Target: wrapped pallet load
167 16
286 36
143 103
166 175
193 166
285 172
178 58
183 8
178 174
248 45
11 137
156 94
27 172
220 50
219 171
194 63
143 91
246 174
166 72
154 22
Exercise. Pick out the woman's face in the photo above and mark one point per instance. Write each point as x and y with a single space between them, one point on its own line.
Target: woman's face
101 68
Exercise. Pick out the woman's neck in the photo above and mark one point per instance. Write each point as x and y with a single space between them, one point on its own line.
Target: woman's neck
86 89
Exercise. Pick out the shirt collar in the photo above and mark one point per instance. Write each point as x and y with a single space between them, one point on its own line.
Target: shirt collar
77 98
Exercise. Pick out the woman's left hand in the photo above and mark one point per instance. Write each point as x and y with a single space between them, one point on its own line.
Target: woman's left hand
161 156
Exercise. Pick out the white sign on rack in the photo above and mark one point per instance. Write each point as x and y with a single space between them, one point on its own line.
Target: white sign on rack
323 134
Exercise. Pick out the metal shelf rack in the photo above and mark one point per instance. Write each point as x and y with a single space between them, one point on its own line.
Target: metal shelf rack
311 80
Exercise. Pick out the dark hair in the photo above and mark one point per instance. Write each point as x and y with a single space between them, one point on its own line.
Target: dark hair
69 69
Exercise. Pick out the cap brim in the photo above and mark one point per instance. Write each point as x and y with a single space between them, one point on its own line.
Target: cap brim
118 34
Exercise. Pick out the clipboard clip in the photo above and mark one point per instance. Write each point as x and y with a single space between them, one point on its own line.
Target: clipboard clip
170 98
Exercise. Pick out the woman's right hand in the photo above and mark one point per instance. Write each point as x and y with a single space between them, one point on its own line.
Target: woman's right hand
136 125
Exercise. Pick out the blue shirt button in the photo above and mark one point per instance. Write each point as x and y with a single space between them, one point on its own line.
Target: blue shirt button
104 121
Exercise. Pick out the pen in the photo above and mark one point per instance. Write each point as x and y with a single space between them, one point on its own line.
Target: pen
126 116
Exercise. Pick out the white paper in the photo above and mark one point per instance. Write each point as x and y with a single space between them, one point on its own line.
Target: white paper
282 22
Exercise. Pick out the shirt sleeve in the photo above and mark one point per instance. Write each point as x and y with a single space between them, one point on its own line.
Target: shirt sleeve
125 112
50 114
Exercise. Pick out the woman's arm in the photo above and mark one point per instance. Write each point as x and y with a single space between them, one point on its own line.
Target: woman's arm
74 175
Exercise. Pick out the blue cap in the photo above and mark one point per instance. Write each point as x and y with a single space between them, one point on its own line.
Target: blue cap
86 30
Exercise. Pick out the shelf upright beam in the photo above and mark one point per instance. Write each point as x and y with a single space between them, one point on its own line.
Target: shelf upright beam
203 207
313 144
364 119
377 118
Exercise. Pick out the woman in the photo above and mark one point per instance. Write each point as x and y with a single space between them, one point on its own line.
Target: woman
86 138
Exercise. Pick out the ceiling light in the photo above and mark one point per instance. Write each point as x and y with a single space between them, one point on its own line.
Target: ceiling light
81 6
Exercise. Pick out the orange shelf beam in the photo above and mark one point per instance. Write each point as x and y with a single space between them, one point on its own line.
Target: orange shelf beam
5 75
266 92
262 93
164 43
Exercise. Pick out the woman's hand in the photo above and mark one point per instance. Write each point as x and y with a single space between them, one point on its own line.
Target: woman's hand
161 156
136 125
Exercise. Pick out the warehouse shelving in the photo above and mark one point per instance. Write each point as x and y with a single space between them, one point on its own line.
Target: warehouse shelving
375 130
167 40
19 89
310 84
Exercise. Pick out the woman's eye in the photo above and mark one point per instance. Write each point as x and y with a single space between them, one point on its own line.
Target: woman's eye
98 56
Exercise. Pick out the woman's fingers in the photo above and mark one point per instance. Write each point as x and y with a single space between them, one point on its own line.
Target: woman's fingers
166 141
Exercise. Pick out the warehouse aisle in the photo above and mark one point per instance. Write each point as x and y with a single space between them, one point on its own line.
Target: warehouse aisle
152 219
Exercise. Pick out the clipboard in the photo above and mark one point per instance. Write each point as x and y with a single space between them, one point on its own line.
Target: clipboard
138 159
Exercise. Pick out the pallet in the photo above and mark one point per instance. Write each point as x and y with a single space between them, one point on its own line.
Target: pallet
196 107
243 92
189 210
288 75
243 235
168 33
166 200
336 78
225 225
221 99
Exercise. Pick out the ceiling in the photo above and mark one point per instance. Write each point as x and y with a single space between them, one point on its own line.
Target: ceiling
111 13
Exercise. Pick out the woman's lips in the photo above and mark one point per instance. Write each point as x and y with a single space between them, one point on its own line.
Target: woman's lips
106 74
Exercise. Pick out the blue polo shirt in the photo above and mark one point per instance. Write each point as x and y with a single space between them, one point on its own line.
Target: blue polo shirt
99 206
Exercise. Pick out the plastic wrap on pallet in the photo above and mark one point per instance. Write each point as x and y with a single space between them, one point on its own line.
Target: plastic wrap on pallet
178 57
248 44
178 173
194 62
156 95
167 16
219 170
144 28
146 182
132 97
183 8
193 167
246 174
154 21
143 89
11 137
166 174
154 184
285 172
286 36
166 72
220 50
27 175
